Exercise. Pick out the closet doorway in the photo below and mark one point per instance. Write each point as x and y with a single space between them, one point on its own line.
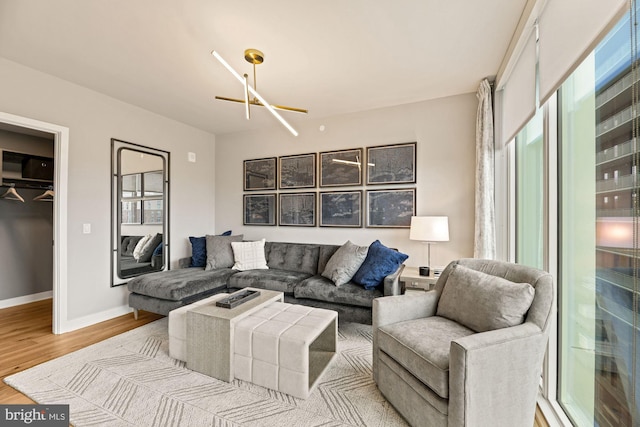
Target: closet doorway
60 137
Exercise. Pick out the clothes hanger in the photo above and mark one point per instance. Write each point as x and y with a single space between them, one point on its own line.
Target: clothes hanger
47 196
12 194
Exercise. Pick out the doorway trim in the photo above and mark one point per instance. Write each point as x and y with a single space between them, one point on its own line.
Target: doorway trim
61 170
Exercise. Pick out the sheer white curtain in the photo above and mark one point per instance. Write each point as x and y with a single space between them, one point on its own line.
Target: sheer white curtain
484 245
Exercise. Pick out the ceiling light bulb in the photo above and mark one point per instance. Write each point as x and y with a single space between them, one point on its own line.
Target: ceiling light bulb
246 97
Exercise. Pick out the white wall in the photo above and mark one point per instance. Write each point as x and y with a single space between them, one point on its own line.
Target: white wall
445 132
93 119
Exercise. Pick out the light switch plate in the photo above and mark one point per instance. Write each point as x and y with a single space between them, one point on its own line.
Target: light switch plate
86 228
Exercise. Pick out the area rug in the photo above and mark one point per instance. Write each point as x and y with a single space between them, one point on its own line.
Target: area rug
130 380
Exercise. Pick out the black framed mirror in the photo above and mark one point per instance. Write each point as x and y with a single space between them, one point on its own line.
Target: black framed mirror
139 210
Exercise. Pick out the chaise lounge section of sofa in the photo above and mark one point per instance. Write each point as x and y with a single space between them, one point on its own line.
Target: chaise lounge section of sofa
293 268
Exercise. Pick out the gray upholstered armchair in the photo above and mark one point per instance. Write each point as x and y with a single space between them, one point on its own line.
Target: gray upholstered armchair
469 352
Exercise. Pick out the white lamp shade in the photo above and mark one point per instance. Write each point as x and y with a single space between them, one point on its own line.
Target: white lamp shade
429 228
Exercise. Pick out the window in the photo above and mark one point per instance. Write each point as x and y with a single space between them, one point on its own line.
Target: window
598 228
598 366
142 198
577 304
530 193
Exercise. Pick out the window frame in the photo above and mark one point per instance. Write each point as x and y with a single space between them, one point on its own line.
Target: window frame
506 238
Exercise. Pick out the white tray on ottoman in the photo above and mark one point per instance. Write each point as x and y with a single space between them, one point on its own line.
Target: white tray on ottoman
285 347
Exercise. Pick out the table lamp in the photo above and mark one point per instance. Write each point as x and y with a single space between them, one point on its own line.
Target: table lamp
429 229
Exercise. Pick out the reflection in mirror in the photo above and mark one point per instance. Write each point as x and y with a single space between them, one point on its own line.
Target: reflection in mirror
140 210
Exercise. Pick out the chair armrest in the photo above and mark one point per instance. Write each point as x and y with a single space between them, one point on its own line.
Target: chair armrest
398 308
496 374
392 284
184 262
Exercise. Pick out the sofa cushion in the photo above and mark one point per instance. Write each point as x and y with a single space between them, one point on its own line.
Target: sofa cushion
249 255
272 279
149 247
344 263
219 252
198 251
179 284
292 257
129 267
379 263
324 255
129 244
140 245
422 347
158 250
483 302
322 289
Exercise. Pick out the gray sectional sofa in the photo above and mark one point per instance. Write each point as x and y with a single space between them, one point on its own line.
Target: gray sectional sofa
294 269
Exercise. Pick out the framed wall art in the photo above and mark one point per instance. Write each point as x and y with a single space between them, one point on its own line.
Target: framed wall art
391 208
259 209
297 171
392 164
297 209
260 174
341 168
341 209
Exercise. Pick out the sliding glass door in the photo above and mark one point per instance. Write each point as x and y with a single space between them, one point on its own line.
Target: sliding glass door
599 371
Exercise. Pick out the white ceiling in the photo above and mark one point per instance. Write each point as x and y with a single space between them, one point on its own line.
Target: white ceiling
330 56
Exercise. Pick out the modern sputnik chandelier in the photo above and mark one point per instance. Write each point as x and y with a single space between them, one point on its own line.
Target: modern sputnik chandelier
255 57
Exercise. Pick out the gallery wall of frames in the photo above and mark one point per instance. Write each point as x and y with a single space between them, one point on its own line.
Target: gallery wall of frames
371 186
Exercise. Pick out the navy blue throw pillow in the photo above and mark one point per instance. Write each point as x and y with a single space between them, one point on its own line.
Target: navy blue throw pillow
198 251
379 263
158 250
226 233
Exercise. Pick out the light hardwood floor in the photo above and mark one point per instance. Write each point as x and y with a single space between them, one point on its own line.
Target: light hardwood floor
26 340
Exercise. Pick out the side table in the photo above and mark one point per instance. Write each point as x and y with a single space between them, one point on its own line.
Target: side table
414 281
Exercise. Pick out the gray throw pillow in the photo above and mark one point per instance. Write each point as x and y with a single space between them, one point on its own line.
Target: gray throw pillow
483 302
149 247
344 263
219 252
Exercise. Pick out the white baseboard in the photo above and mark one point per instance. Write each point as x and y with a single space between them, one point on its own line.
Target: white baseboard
92 319
68 325
12 302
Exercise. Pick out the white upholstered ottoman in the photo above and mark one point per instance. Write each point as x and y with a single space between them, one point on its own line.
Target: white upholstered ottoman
285 347
178 327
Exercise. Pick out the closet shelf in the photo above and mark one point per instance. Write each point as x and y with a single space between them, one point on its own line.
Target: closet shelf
26 170
36 184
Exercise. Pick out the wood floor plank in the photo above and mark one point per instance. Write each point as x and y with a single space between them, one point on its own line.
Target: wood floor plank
26 341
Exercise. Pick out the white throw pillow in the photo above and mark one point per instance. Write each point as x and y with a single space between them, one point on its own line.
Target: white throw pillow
249 255
140 246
